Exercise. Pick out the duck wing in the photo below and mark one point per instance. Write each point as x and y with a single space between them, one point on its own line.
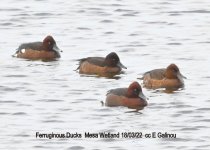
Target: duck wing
32 46
118 91
99 61
157 74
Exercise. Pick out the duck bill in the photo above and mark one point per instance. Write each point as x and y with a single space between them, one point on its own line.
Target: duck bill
181 77
119 64
55 47
142 96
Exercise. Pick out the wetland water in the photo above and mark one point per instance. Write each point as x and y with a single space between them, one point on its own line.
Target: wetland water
48 97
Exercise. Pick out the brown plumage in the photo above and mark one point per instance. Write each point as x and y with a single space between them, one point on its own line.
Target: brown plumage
131 97
169 77
46 50
108 66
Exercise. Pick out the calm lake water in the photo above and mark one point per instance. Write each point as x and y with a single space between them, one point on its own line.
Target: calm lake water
48 97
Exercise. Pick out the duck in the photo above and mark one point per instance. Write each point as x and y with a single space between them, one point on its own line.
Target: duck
131 97
45 50
103 66
169 77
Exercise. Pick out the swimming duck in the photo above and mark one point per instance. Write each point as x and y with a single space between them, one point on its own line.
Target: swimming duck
169 77
46 50
131 97
102 66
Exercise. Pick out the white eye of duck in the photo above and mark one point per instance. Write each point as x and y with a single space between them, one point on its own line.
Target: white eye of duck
49 43
135 90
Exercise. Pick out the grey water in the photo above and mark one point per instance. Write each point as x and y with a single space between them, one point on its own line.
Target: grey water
48 97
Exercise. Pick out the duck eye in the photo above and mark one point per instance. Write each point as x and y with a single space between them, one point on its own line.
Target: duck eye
136 90
175 70
49 43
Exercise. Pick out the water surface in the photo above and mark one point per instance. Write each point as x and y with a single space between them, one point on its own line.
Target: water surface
50 97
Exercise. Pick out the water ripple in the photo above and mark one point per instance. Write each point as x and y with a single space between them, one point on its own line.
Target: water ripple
50 96
76 148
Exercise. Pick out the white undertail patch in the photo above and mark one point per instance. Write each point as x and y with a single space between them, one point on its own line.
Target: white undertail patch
23 50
